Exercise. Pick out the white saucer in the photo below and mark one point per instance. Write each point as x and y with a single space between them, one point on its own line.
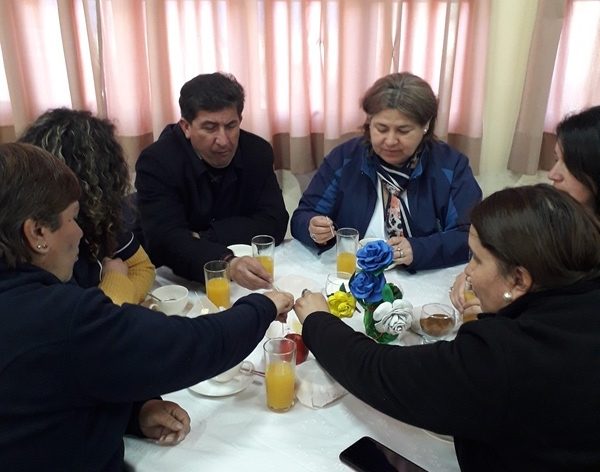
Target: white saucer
441 437
240 250
212 388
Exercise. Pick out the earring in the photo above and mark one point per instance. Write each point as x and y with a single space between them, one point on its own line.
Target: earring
42 246
507 296
425 130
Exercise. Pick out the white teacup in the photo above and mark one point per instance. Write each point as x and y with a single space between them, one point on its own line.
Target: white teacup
170 299
245 368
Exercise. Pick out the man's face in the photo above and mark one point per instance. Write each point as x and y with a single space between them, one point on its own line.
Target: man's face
214 135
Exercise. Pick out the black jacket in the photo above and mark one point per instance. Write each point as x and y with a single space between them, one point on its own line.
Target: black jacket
518 390
176 199
73 365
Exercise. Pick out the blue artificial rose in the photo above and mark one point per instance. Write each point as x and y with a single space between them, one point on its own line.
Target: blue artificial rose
367 286
375 256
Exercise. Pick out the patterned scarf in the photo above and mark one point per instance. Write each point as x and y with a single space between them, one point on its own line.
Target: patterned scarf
395 179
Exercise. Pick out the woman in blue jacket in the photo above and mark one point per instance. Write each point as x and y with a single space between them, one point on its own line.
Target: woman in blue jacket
396 182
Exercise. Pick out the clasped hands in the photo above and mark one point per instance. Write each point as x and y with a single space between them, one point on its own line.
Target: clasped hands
164 421
308 303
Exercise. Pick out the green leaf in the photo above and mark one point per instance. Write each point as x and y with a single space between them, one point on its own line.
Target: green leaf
387 293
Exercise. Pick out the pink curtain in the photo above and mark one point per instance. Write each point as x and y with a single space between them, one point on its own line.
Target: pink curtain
563 76
304 64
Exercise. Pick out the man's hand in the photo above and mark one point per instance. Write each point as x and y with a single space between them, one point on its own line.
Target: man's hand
164 421
308 303
249 273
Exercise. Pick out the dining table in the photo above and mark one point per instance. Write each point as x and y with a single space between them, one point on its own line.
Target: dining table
235 431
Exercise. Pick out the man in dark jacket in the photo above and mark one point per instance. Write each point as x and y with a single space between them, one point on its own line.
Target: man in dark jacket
206 184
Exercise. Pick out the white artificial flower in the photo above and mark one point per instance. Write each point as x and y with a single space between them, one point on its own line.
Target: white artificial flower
393 318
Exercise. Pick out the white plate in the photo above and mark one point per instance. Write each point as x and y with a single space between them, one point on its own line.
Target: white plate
441 437
202 306
212 388
240 250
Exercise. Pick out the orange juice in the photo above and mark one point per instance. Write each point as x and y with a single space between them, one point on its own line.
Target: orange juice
217 290
346 262
266 262
280 379
469 295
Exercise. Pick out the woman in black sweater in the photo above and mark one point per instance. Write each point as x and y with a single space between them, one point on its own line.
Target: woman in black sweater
517 389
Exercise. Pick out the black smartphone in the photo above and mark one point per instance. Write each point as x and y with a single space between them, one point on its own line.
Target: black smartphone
368 455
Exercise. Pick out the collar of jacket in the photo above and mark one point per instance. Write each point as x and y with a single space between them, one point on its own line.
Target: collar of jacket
531 299
369 168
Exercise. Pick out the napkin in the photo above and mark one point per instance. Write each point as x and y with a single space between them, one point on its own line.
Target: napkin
315 387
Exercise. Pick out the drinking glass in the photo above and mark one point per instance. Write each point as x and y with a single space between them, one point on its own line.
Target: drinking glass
469 295
335 281
346 246
216 279
437 320
263 250
280 373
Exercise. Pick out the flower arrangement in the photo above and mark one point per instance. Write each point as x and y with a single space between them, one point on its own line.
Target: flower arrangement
387 315
341 303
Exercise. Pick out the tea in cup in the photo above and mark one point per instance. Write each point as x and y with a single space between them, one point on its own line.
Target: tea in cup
170 299
437 320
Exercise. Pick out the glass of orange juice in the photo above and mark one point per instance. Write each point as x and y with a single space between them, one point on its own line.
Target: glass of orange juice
280 373
263 250
469 295
216 279
346 246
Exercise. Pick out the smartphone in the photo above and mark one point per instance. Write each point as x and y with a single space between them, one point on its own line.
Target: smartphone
368 455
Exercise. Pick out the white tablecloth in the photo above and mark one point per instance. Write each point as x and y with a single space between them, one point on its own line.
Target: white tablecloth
238 432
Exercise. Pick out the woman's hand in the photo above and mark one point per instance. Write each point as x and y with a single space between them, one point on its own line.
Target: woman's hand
308 303
464 299
114 265
457 291
283 301
164 421
321 229
403 253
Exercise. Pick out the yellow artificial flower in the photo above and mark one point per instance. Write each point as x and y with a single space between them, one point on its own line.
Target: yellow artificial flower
341 304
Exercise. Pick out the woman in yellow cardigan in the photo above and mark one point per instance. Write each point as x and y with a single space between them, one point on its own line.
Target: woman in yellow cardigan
110 256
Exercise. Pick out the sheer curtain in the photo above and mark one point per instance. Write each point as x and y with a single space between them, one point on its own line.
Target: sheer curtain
304 63
563 76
